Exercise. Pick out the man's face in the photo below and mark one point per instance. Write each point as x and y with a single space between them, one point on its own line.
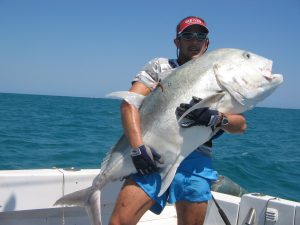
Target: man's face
189 49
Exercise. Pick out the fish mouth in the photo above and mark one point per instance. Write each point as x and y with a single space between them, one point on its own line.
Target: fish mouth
268 78
267 73
273 78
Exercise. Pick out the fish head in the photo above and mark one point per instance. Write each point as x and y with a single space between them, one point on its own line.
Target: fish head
246 76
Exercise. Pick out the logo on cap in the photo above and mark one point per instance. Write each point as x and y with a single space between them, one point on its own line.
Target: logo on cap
190 21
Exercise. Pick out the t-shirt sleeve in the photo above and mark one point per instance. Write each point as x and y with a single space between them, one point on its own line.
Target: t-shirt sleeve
149 74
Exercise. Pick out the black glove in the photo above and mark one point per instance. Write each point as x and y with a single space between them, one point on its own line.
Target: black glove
202 116
144 159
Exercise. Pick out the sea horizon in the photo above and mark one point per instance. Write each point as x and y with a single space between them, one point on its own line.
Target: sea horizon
103 97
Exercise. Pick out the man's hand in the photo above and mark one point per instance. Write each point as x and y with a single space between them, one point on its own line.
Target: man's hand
202 116
144 159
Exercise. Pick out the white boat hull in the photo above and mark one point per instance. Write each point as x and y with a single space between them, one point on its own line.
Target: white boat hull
27 198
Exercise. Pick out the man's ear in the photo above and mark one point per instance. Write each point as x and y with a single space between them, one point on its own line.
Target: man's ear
176 42
207 44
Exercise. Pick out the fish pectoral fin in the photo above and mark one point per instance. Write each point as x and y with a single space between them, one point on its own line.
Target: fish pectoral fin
206 102
132 98
168 174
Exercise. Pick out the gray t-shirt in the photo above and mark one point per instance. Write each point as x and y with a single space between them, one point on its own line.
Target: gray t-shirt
155 70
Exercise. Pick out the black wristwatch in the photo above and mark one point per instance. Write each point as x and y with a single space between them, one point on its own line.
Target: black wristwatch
223 121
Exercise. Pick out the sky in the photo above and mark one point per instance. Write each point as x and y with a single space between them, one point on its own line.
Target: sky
89 48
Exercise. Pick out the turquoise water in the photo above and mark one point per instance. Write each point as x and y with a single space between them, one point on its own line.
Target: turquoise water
49 131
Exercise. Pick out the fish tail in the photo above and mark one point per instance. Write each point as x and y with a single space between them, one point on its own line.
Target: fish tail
93 208
77 198
88 198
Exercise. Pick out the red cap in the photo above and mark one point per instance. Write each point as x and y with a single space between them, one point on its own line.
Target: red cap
189 21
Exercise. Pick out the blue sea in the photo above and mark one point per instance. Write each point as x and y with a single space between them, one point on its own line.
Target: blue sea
39 131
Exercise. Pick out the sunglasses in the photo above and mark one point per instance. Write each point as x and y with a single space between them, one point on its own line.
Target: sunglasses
189 36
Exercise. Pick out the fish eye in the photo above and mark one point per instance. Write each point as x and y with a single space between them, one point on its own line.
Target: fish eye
247 55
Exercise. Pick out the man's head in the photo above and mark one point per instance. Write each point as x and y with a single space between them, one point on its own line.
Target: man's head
191 38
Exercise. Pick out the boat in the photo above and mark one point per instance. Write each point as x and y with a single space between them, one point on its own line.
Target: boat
27 198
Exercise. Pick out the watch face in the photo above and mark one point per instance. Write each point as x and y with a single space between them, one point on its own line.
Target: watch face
224 121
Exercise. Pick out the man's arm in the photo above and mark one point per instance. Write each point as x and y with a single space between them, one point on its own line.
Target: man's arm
131 117
236 124
143 157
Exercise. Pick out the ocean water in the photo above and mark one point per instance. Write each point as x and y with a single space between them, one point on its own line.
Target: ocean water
49 131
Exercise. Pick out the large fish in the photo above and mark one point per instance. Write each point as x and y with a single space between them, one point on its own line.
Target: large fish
229 80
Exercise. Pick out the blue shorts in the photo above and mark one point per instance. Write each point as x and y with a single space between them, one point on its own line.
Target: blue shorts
186 185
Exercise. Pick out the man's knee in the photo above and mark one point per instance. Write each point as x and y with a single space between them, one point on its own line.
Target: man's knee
189 213
121 221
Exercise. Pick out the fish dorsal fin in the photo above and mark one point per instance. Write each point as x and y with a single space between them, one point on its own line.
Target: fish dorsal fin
132 98
122 143
204 103
105 161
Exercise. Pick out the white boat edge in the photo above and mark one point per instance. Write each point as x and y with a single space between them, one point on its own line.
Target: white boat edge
27 197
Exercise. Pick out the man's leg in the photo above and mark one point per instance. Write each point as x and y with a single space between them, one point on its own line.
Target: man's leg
191 213
131 204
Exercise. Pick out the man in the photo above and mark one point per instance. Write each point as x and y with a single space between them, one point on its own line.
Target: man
190 188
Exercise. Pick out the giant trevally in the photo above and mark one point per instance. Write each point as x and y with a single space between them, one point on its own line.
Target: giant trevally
228 80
